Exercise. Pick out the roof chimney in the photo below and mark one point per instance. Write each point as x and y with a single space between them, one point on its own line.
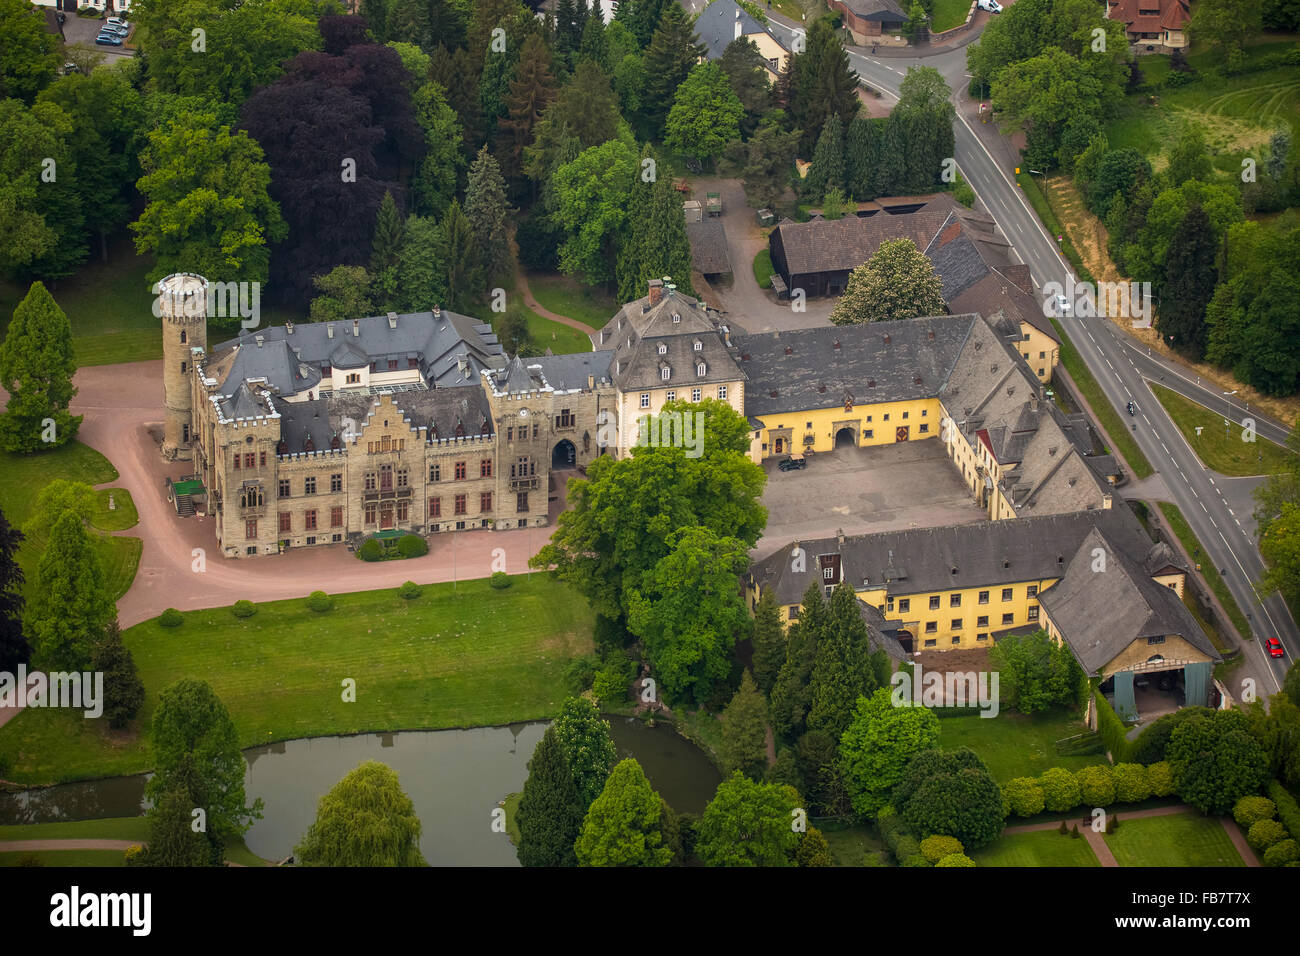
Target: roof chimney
392 320
437 311
260 339
356 327
737 25
656 290
329 330
288 328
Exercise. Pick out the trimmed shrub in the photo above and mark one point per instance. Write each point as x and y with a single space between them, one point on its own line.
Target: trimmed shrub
412 546
1288 811
1250 810
1264 833
1282 853
370 550
1060 790
1112 823
1096 785
171 618
1074 832
611 682
1160 775
906 848
319 601
956 859
1131 783
243 609
1024 796
500 580
1063 829
134 855
409 590
935 848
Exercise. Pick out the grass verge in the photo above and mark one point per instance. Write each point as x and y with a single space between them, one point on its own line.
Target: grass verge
565 296
1038 848
1109 418
457 656
1221 450
1013 745
1053 224
1213 578
1180 839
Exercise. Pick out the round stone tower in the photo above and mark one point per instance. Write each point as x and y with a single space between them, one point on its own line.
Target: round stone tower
183 307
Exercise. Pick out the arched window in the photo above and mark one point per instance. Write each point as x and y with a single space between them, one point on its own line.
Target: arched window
182 336
700 369
665 373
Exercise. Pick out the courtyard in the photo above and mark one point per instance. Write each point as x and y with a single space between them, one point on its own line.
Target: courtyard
860 490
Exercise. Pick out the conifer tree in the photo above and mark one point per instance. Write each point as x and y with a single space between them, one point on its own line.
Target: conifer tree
744 731
827 170
461 253
172 838
891 173
550 810
627 825
72 606
123 689
422 268
36 369
488 211
841 672
673 51
1190 277
532 89
385 251
791 696
14 649
657 245
768 641
820 83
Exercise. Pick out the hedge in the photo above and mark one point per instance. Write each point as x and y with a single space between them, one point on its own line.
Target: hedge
1096 785
1282 853
243 609
1250 810
1131 782
1024 796
1161 777
171 618
370 550
1264 833
319 601
1060 790
1288 811
412 546
1112 730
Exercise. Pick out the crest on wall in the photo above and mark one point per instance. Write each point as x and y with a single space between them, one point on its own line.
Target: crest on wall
848 401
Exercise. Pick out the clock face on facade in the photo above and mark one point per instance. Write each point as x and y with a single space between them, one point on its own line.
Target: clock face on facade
523 413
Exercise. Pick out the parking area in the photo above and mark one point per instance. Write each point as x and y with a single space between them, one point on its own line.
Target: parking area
860 490
81 31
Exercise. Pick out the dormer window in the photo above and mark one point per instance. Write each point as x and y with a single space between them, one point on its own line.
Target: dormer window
663 349
700 369
665 373
677 318
699 346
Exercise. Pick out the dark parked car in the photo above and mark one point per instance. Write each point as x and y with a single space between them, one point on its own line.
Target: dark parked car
793 463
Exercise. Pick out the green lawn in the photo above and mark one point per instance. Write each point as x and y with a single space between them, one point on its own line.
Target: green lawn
1109 418
559 338
466 656
947 14
23 476
110 828
568 297
763 268
1221 449
72 858
1039 848
855 846
1180 839
1193 547
1013 745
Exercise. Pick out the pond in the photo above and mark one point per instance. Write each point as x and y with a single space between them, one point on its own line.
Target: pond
455 778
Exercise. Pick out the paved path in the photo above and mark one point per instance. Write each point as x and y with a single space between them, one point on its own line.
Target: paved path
39 846
1239 841
181 565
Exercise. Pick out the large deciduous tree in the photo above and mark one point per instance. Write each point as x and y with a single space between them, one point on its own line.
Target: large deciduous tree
42 233
365 820
29 54
36 369
705 115
951 793
878 746
1036 672
1216 760
628 824
749 824
897 282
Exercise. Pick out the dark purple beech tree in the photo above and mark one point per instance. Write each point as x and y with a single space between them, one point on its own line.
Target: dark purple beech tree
339 130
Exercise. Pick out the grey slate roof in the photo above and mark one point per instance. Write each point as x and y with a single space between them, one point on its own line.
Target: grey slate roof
290 356
816 374
837 245
886 11
716 26
638 330
1101 613
560 373
708 239
440 410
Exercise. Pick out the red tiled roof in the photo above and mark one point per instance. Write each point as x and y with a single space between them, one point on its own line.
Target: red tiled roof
1150 16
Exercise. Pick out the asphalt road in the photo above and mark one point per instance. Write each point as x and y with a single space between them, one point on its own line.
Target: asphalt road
1121 366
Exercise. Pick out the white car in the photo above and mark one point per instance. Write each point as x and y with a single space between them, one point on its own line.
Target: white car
1062 305
992 6
118 22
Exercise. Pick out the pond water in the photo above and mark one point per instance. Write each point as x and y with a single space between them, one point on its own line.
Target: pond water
455 778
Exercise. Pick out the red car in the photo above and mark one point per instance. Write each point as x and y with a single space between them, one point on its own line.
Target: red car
1274 647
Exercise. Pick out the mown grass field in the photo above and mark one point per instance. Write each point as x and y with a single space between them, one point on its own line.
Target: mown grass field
1013 745
23 476
109 828
1221 449
1180 839
947 14
1178 524
1039 848
457 656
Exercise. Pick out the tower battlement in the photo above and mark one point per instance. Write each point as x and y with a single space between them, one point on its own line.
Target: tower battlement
182 304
